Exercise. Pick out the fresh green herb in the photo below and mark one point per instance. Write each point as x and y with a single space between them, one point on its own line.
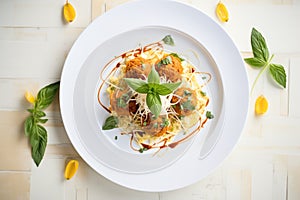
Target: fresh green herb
168 40
145 123
155 125
262 59
153 88
177 56
203 93
188 105
167 60
187 93
166 122
33 129
141 150
121 103
110 123
209 115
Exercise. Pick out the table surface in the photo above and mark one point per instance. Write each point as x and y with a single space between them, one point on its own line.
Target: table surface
34 42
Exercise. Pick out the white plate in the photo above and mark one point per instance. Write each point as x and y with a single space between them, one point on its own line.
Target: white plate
122 29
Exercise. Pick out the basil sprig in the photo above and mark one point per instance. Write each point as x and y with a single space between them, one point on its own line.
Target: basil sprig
33 129
262 59
153 88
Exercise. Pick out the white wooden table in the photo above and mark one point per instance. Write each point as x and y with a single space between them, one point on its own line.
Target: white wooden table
34 42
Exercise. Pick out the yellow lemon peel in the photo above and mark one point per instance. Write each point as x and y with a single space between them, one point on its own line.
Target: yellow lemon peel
69 12
222 12
29 97
261 105
71 169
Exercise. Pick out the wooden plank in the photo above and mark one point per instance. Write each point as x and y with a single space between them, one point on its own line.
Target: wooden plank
262 180
280 176
294 109
46 13
15 90
15 185
15 152
246 185
233 183
49 176
23 56
293 192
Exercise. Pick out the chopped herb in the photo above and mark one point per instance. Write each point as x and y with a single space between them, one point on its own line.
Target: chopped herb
165 61
204 77
209 115
155 125
188 105
177 56
187 93
166 122
203 93
145 123
168 40
116 137
125 97
141 150
121 103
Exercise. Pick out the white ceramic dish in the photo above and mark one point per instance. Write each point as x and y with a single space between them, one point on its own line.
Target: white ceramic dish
118 31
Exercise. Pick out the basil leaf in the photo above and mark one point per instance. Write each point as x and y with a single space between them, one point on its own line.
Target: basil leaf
29 123
278 73
39 113
46 95
110 123
259 46
255 62
167 88
143 89
153 76
163 90
43 121
154 103
38 141
136 84
168 40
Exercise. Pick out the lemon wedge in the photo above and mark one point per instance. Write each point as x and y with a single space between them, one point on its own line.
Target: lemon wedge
69 12
222 12
71 169
29 97
261 105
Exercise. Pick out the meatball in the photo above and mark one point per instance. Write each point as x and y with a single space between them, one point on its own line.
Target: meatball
137 68
156 127
170 67
122 103
187 103
169 73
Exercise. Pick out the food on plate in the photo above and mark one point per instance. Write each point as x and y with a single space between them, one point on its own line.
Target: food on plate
155 96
